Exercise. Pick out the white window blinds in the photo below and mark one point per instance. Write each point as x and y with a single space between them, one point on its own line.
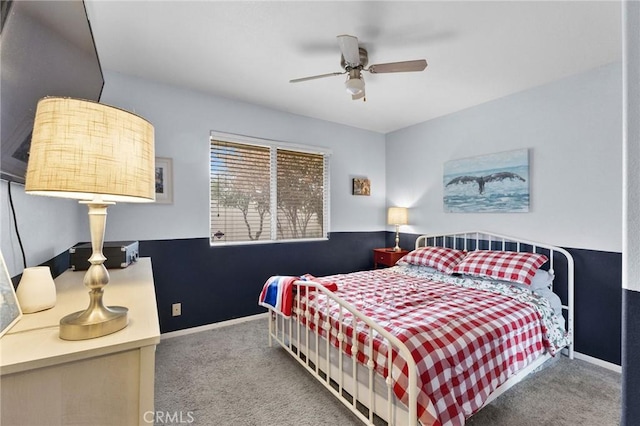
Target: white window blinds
266 193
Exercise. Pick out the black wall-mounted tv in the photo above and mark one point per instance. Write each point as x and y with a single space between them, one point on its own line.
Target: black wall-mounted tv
46 49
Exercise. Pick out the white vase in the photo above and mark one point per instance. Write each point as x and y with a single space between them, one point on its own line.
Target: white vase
36 291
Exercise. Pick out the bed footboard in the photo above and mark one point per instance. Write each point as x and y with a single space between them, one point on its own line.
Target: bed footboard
358 388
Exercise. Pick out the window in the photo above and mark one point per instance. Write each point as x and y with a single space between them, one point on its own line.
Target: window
264 191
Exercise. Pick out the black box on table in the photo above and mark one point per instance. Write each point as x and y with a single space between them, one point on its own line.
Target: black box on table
119 254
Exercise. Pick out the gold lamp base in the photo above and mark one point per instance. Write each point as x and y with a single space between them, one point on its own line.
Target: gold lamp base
397 247
93 323
97 320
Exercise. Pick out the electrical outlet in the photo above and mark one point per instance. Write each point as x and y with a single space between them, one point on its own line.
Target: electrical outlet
176 309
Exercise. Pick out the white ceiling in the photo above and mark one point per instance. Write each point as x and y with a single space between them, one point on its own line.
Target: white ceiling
477 51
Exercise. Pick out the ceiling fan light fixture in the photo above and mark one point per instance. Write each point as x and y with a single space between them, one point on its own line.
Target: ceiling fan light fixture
354 60
354 85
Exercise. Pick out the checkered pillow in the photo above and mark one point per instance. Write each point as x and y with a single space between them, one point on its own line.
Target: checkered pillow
502 265
440 258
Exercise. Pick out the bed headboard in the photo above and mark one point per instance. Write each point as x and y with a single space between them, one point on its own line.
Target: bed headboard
560 260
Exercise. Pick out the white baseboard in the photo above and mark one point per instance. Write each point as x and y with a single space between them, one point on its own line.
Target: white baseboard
213 326
599 362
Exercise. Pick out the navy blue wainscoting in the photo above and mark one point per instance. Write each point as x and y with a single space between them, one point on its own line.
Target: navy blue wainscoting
631 366
598 299
220 283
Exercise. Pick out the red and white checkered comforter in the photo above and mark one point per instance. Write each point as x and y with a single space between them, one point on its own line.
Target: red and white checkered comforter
465 341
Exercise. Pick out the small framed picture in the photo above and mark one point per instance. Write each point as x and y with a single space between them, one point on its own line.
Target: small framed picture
10 312
361 186
164 180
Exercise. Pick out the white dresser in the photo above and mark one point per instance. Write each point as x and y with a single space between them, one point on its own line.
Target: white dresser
104 381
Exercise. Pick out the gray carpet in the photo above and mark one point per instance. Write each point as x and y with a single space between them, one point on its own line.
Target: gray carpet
231 377
567 392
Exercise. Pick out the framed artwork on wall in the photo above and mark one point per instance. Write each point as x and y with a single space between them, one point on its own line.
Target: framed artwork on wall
361 186
10 312
487 183
164 180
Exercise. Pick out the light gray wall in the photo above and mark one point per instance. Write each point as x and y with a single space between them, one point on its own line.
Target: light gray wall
631 149
573 130
183 120
48 226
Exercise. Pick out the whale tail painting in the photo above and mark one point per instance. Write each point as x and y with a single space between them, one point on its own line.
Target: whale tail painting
482 180
492 183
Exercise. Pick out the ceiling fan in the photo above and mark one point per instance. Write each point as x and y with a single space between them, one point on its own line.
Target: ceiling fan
354 60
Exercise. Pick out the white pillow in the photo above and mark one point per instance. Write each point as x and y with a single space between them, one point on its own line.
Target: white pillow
542 279
553 299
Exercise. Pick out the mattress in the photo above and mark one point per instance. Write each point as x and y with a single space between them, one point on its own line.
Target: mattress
467 336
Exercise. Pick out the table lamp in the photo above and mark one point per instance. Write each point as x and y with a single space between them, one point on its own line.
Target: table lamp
397 216
100 155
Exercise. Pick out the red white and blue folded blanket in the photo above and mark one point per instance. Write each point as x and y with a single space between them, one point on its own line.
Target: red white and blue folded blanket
277 292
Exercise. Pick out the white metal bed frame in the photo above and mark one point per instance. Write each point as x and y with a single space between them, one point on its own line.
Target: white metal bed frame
357 386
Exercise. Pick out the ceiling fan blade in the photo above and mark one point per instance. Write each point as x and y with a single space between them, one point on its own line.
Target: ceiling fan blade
349 48
405 66
331 74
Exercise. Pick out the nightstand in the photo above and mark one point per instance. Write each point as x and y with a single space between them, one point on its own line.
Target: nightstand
107 380
386 256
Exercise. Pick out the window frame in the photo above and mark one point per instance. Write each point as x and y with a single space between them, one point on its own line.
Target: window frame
273 146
